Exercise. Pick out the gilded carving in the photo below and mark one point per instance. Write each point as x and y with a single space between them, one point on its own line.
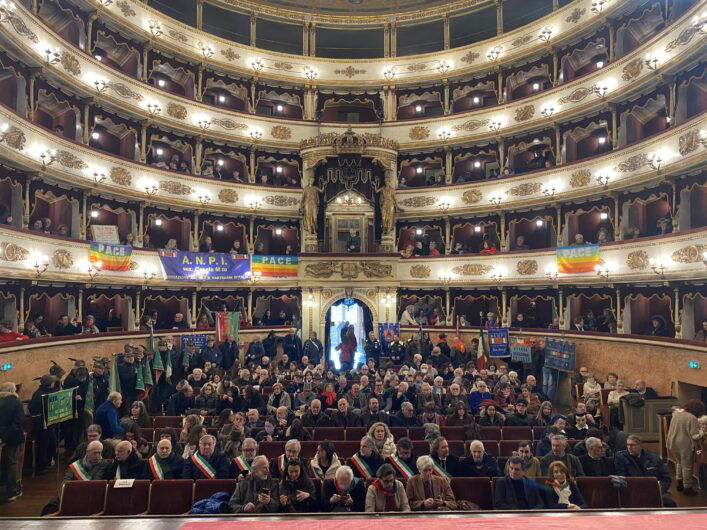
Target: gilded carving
281 132
417 67
525 189
470 57
472 196
577 95
282 65
177 35
684 38
230 55
70 63
62 259
470 125
175 188
575 15
527 267
70 160
580 178
134 265
472 269
420 271
632 163
120 176
14 137
689 142
632 69
419 132
375 269
228 124
348 270
125 91
689 254
525 113
522 40
177 111
321 269
126 9
349 71
228 196
281 200
19 25
637 260
13 252
418 202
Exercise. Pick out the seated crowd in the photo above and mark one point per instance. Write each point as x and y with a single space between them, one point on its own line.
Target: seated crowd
234 414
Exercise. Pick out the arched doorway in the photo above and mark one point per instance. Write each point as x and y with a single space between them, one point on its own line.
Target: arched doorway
344 312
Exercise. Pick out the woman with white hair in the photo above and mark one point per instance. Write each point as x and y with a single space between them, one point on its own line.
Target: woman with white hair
382 439
345 493
427 491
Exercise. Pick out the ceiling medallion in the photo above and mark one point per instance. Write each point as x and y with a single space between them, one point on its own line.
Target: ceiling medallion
120 176
125 7
575 15
230 55
13 252
70 160
177 35
70 63
525 113
62 259
470 57
419 132
632 69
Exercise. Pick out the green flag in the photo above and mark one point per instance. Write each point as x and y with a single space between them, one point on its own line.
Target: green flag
147 373
114 380
157 365
140 380
151 343
90 405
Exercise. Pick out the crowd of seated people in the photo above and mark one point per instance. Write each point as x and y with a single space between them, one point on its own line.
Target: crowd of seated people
174 163
44 225
216 170
231 410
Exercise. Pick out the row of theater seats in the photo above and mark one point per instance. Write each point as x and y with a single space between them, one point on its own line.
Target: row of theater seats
175 497
356 433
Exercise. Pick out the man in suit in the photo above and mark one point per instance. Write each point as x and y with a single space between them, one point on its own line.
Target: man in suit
208 462
515 491
595 463
445 464
353 243
480 463
427 491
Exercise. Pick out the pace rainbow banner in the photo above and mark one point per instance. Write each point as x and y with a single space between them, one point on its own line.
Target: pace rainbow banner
577 259
112 257
274 266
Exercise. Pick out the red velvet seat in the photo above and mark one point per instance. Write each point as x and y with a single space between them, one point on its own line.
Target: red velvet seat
599 493
642 492
203 489
538 432
166 421
329 433
502 460
82 498
476 490
517 433
354 433
399 432
491 433
507 447
148 434
453 433
492 448
127 501
420 447
309 449
416 433
346 448
271 449
170 497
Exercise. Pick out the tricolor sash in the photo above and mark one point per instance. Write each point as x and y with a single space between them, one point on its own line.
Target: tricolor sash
117 473
281 463
362 466
78 470
316 471
440 471
156 468
342 491
400 465
242 464
203 465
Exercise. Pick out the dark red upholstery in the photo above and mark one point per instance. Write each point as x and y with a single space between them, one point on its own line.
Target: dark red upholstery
170 497
476 490
492 448
491 433
82 498
538 433
148 434
453 433
355 433
642 492
347 448
203 489
598 492
507 447
166 421
517 433
271 449
329 433
309 449
399 432
416 433
127 501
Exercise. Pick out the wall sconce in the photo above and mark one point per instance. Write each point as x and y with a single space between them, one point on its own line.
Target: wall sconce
204 198
445 279
652 61
207 50
497 274
309 299
310 73
444 205
659 266
389 73
100 85
546 34
655 161
257 65
253 277
148 273
155 27
154 108
255 204
603 271
549 191
47 158
204 123
703 138
53 55
94 269
495 125
551 273
151 190
598 5
444 135
496 200
494 53
158 222
443 67
604 179
600 89
255 134
388 299
99 177
40 263
547 111
105 3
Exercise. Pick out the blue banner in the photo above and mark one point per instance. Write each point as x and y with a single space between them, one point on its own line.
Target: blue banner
386 334
197 341
498 342
522 352
560 354
203 266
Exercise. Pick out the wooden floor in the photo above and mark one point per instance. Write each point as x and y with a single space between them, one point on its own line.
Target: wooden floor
38 490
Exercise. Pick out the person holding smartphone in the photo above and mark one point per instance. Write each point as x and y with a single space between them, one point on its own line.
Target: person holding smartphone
345 493
297 492
258 492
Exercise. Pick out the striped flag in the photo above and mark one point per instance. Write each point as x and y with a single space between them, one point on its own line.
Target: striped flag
577 259
226 324
111 257
481 350
114 380
139 380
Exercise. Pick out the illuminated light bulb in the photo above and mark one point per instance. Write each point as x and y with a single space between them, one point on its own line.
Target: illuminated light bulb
158 222
476 100
94 214
602 140
603 216
222 99
161 83
477 229
96 135
539 222
600 64
477 164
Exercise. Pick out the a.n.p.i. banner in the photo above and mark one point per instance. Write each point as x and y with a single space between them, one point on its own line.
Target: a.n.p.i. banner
577 259
274 266
203 266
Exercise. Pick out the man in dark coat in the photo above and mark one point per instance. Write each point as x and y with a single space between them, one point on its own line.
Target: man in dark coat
45 436
127 464
635 461
255 352
314 417
343 417
520 418
372 347
99 380
180 401
127 373
207 462
258 492
594 462
313 348
74 429
446 464
480 463
11 418
515 491
373 413
229 352
292 345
